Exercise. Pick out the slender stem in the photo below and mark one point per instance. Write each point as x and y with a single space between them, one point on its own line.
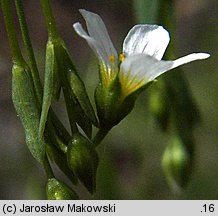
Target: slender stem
13 42
49 18
99 136
33 65
29 48
47 168
18 59
53 35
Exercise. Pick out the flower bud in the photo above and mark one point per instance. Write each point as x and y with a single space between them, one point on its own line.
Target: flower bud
57 190
177 164
83 160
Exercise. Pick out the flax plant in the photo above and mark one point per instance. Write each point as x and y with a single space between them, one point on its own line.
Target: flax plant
122 78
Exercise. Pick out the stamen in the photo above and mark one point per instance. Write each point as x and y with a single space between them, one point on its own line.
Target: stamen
122 57
112 58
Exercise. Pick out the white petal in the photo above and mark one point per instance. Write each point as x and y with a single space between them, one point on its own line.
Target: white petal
190 58
98 32
143 66
147 39
148 68
92 43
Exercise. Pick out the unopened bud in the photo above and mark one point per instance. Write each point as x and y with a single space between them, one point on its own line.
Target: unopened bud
83 160
57 190
177 164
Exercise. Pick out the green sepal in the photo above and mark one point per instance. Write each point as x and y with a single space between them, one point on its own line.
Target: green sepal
57 190
52 134
51 85
27 109
61 161
177 163
128 102
78 89
107 102
82 120
83 160
74 90
112 107
59 129
76 114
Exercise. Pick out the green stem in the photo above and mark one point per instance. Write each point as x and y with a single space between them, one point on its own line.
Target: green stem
33 65
18 59
29 48
166 14
53 35
49 18
13 42
146 10
101 134
47 168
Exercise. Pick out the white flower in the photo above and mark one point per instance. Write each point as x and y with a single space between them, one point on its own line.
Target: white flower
140 61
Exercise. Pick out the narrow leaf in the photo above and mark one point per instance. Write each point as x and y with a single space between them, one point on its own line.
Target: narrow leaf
51 85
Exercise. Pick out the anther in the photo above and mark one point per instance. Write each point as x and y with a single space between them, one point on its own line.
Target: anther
112 58
122 57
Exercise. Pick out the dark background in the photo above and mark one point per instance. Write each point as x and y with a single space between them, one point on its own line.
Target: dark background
130 155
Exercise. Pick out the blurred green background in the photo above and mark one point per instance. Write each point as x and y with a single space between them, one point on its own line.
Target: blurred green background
130 156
